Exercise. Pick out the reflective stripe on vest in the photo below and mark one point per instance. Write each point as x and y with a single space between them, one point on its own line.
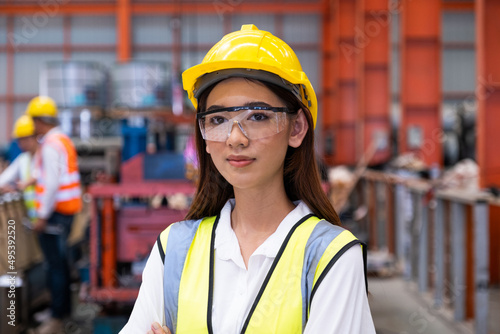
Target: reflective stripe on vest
282 305
29 192
29 202
68 196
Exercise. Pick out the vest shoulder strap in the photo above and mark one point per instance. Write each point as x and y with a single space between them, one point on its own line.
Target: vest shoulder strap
183 263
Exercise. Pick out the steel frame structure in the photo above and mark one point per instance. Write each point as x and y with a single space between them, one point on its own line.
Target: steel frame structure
124 10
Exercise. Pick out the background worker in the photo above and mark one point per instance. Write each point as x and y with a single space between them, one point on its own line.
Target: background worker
58 199
17 176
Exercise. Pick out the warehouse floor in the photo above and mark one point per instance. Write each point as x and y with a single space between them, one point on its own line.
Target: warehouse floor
397 308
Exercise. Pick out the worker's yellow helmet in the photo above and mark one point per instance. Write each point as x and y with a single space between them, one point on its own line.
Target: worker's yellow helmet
252 53
42 106
24 127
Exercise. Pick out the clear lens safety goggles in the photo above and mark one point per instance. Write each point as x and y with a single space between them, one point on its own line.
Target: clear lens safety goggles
255 122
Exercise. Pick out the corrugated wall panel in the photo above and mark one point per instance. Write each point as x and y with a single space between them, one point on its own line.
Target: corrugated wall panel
27 68
3 70
458 27
263 22
301 28
459 70
93 30
201 29
38 28
3 27
151 30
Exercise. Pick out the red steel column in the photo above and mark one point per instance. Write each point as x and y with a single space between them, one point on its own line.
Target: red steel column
346 125
488 91
420 129
330 59
375 89
488 115
123 30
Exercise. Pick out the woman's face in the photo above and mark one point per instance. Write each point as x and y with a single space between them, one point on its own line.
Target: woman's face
248 163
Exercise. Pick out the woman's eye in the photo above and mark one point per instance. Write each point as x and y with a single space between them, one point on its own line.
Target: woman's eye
258 117
216 120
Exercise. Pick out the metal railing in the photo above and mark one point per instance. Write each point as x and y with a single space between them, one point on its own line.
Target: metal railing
440 238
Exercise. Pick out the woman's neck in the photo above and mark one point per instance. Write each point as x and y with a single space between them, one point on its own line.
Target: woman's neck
257 215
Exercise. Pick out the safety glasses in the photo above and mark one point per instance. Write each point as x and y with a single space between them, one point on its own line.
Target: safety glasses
255 122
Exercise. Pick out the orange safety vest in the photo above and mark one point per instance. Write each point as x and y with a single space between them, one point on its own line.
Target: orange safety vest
68 196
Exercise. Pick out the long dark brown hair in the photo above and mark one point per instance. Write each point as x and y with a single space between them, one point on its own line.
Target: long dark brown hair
301 174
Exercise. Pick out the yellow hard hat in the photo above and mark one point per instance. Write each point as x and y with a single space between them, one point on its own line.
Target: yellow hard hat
42 106
24 127
252 53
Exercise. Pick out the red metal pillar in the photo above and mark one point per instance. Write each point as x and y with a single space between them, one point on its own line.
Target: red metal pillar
330 60
345 136
488 115
420 129
108 240
123 30
374 97
488 91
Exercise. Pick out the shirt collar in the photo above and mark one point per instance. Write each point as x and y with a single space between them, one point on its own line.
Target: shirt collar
226 242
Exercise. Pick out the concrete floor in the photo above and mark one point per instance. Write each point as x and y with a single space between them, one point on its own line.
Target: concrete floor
397 308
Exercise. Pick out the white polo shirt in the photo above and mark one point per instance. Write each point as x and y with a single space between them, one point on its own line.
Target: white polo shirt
340 304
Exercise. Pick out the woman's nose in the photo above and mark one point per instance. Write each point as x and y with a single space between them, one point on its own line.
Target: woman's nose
236 135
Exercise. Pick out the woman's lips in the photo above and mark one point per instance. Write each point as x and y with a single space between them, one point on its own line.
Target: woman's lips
239 161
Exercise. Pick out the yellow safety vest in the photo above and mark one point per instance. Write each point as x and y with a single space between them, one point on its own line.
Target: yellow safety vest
282 305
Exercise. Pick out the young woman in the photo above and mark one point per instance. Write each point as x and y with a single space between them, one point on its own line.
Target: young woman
260 250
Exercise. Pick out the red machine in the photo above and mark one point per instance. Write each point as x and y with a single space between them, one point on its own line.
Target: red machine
127 233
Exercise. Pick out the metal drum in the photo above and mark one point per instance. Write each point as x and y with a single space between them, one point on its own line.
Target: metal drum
142 85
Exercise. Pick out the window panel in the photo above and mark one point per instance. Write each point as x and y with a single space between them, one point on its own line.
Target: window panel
459 27
19 110
201 29
310 65
152 30
395 70
4 135
3 69
394 26
3 27
93 30
163 56
263 22
191 58
27 70
301 28
459 70
37 28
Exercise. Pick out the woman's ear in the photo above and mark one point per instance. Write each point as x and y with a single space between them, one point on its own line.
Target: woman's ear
299 129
